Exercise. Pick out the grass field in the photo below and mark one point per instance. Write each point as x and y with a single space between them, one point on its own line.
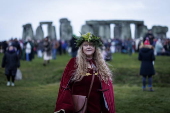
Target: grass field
37 92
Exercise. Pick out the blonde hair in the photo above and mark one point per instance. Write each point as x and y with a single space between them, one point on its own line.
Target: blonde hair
101 66
146 46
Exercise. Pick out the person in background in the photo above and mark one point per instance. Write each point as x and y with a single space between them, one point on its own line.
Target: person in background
10 62
29 52
64 47
16 44
60 48
55 45
146 56
39 48
159 49
150 36
129 46
46 51
107 54
4 46
88 64
167 47
73 46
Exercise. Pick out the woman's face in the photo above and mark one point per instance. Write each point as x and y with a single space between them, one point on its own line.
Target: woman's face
88 49
11 48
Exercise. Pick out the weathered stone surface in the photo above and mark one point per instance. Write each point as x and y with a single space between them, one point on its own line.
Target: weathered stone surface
50 29
159 31
86 28
65 29
104 31
27 32
113 21
140 31
53 33
117 30
121 30
96 29
126 31
48 23
39 33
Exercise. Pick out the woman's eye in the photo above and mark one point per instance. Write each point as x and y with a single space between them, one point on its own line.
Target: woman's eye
91 45
85 44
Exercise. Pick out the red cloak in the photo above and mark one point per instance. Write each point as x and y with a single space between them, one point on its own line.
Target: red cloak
64 100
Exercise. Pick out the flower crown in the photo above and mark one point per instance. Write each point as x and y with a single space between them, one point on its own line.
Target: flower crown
89 37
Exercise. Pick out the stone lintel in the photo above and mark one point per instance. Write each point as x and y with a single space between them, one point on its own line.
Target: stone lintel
92 22
64 20
49 23
27 25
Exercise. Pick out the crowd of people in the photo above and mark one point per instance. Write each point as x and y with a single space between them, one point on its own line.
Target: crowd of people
49 49
88 63
129 46
27 49
15 50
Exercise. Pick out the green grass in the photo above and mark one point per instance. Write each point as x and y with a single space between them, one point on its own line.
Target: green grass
37 92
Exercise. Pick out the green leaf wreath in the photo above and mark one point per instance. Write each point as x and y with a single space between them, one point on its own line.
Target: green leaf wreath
89 37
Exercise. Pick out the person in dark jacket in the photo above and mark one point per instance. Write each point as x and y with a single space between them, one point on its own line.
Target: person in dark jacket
10 62
4 46
146 56
73 46
150 36
16 44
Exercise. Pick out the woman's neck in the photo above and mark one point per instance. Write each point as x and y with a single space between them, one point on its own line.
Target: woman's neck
89 57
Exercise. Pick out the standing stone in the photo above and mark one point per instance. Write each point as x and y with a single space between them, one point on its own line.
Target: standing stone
50 30
104 31
126 31
121 30
65 29
117 30
86 28
140 30
53 33
159 31
107 31
96 29
39 33
27 32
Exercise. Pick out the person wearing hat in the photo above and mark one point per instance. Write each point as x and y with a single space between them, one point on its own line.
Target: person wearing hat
87 75
146 56
150 36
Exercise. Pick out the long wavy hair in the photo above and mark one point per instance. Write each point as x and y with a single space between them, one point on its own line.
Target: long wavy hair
101 66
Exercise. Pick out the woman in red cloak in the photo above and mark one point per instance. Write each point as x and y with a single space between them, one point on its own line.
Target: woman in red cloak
79 71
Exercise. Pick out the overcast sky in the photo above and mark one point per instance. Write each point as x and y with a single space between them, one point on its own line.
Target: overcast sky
15 13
